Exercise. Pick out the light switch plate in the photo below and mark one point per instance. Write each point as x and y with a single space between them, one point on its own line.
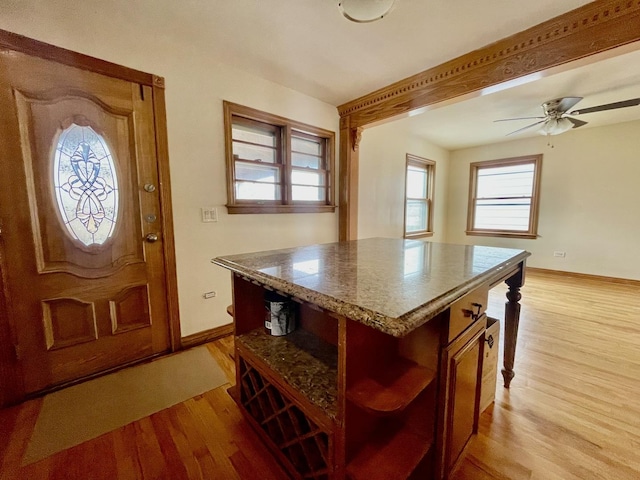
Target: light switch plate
209 214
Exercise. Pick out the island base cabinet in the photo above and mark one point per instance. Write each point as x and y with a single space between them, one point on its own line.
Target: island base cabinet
461 373
380 377
391 403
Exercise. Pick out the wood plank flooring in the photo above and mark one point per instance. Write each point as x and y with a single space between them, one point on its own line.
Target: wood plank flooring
572 412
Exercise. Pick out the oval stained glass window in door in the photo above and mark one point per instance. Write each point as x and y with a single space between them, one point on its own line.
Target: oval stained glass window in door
86 185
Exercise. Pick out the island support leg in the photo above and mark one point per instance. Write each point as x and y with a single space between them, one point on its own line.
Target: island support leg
512 319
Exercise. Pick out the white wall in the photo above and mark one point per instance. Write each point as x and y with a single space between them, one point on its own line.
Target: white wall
195 88
381 192
589 199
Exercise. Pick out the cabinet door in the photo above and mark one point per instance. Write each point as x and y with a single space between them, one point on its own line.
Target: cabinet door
462 370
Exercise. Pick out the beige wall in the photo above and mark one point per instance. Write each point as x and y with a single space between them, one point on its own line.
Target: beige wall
590 192
381 192
195 88
589 199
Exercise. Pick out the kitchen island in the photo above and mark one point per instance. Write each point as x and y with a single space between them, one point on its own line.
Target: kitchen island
381 377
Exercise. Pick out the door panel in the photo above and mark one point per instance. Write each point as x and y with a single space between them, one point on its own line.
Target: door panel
86 292
42 123
68 322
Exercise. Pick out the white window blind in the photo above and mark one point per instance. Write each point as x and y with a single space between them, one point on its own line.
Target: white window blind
277 165
503 198
418 196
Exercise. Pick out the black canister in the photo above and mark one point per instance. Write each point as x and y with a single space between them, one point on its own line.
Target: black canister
279 314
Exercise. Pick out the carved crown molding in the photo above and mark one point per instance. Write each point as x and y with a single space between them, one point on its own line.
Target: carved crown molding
593 28
158 81
356 136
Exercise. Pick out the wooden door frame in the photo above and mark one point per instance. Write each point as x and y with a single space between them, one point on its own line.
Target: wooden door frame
11 389
594 28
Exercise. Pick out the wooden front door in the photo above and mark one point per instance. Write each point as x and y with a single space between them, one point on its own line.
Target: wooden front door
80 212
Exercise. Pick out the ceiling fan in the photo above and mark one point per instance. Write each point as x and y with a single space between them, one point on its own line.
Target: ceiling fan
556 117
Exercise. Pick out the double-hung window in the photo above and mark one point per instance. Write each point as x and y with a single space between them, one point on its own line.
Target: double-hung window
277 165
504 196
418 207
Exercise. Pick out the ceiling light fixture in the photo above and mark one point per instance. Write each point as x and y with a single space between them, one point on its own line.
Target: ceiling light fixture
555 126
364 11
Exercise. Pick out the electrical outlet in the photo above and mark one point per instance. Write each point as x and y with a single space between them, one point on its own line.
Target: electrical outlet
560 254
208 295
209 214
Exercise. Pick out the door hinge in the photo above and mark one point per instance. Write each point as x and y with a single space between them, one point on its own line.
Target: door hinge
17 351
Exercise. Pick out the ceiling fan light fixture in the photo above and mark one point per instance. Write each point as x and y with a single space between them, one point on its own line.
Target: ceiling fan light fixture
364 11
555 126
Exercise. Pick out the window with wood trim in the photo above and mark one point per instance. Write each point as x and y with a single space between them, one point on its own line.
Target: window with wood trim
504 196
418 206
277 165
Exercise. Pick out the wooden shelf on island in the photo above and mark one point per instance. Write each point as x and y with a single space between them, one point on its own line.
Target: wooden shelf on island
392 389
393 453
303 360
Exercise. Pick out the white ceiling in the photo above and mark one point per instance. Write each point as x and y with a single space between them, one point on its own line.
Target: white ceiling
470 122
309 46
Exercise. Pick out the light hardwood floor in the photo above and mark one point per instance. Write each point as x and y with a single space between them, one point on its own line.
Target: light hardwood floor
573 410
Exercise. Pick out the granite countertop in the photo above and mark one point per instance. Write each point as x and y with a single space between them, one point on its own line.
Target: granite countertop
392 285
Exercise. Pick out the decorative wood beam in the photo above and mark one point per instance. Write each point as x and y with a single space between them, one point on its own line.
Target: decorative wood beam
348 183
591 29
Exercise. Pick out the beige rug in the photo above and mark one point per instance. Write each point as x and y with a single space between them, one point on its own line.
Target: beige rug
85 411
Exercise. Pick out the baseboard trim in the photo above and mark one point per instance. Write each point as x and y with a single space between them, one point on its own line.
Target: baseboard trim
207 336
585 276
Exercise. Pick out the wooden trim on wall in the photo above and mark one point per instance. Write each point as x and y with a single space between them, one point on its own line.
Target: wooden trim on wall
348 184
585 276
591 29
286 129
164 190
47 51
207 335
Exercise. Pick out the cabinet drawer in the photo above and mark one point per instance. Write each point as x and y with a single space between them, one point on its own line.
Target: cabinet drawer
466 310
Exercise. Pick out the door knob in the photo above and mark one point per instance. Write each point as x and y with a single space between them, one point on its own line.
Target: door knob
151 237
149 187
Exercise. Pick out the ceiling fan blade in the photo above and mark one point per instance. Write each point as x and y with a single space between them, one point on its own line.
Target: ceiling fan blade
519 118
525 128
576 123
609 106
566 103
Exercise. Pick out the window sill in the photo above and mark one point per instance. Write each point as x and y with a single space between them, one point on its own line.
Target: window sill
240 209
498 233
410 236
